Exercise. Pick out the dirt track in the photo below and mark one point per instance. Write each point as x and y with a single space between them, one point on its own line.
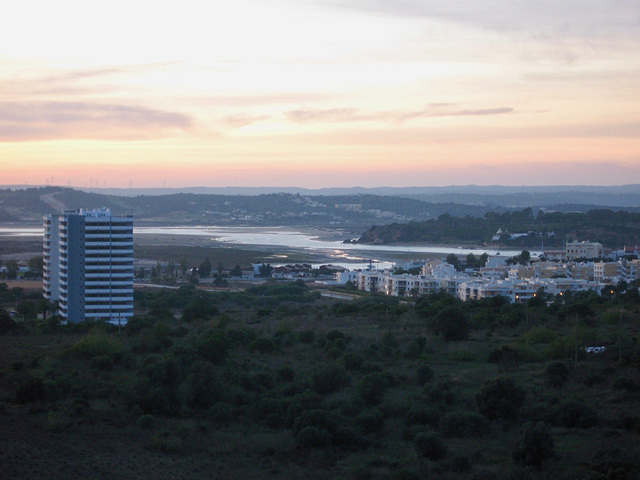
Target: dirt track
26 284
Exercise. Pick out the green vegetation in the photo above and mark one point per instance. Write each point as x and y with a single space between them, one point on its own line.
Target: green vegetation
606 226
276 381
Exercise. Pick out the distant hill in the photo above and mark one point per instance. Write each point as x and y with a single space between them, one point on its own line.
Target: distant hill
336 211
356 211
627 196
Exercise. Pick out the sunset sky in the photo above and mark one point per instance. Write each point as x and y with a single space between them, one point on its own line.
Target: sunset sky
318 93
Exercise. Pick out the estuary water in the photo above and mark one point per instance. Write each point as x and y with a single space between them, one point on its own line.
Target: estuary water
326 242
320 240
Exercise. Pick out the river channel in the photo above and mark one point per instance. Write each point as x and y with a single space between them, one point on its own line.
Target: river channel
329 243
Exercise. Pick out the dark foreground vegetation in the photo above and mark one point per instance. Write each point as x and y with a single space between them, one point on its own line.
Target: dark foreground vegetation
277 382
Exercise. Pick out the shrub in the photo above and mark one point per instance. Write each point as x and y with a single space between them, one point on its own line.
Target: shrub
500 399
306 336
422 416
286 374
313 437
625 383
370 421
57 421
464 424
404 474
101 362
7 324
315 418
534 446
145 421
329 378
573 414
167 443
334 335
504 354
201 388
424 374
98 344
556 373
415 347
222 413
613 463
307 400
538 335
262 345
452 324
213 347
460 464
372 387
31 390
430 446
352 361
348 437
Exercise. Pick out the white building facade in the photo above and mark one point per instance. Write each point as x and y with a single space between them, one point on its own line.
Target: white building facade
88 265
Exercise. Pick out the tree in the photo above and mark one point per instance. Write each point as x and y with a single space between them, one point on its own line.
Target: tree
12 269
372 387
36 265
204 270
451 323
500 399
534 446
236 271
183 265
266 270
430 446
452 259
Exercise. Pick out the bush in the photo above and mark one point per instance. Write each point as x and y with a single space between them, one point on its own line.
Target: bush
329 378
573 414
101 362
556 373
534 446
424 374
7 324
145 421
99 344
625 383
464 424
452 324
315 418
613 463
459 464
213 347
372 387
422 416
353 361
31 390
201 389
500 399
57 421
313 437
370 421
167 443
306 336
430 446
262 345
286 374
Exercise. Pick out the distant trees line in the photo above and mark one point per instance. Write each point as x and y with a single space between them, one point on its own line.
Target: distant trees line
612 228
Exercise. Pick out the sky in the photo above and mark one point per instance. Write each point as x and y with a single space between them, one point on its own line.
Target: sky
312 93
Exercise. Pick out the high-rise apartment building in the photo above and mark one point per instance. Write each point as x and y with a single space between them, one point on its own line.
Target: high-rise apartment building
88 265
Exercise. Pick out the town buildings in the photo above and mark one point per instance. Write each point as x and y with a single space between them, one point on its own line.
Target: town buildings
88 265
518 283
